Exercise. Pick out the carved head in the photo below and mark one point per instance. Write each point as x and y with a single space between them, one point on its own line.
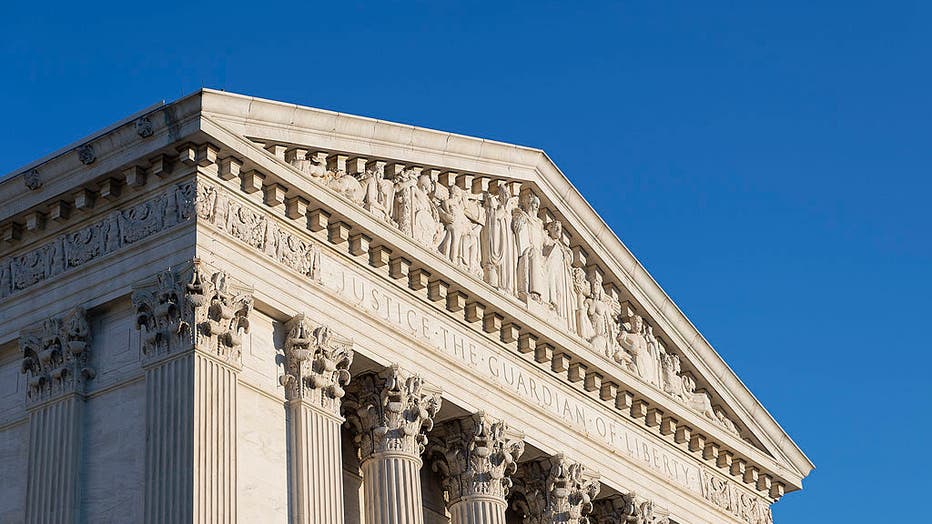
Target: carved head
555 229
424 182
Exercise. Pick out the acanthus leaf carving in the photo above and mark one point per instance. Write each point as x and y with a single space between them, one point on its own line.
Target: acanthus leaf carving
182 308
628 509
55 356
390 412
317 364
476 456
555 489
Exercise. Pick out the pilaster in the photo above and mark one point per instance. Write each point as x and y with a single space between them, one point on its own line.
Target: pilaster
192 322
389 413
317 367
55 356
476 457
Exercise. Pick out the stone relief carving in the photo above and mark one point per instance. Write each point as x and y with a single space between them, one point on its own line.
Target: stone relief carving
516 247
390 411
55 356
115 231
144 127
32 179
554 489
184 308
317 364
725 494
256 229
475 456
86 154
628 508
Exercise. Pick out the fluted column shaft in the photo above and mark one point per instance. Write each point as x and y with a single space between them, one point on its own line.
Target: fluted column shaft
476 510
392 489
55 443
316 475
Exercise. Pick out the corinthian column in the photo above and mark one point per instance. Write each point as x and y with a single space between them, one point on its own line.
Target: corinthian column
554 490
628 508
476 457
55 362
389 412
191 323
317 367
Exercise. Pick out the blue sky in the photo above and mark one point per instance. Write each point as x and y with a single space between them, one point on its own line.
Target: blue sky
770 165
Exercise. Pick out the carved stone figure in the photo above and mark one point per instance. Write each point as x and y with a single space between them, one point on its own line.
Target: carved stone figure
378 193
634 340
558 269
313 165
460 243
143 127
347 185
697 400
32 179
86 154
671 382
724 421
601 312
414 213
581 292
499 256
529 240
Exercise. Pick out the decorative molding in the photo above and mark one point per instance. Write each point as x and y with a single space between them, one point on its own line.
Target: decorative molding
118 229
317 364
475 456
554 489
55 356
628 508
185 308
390 412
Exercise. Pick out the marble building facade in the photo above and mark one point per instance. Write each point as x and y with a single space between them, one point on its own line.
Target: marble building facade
228 309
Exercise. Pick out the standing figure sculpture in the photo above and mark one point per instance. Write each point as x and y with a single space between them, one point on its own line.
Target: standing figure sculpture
634 340
499 255
459 216
601 312
378 193
557 267
413 212
529 239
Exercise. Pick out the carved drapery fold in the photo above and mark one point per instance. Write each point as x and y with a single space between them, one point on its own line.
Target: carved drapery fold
628 509
184 307
390 412
55 356
476 457
554 490
317 364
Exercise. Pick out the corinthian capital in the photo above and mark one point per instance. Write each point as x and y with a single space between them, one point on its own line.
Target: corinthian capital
555 490
390 412
186 307
55 355
317 364
628 509
476 456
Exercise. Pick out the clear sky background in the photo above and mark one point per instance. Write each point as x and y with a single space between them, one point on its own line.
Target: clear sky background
770 165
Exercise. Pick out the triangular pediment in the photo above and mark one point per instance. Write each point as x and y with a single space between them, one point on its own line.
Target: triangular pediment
476 204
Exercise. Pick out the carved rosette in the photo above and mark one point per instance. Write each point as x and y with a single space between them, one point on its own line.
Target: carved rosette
184 308
630 509
317 364
555 490
476 456
390 412
55 356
